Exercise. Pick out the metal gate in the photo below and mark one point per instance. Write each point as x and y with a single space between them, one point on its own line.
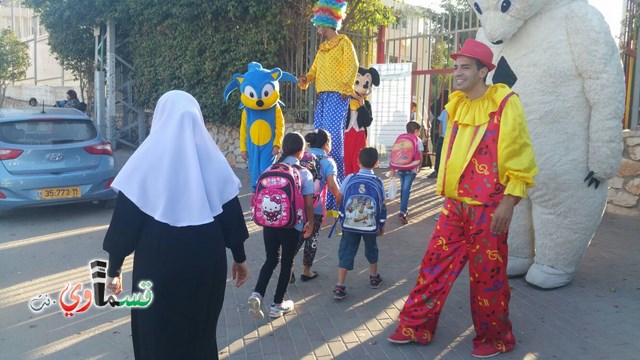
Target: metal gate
629 45
427 43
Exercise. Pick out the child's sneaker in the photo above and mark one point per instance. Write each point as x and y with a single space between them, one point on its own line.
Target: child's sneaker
339 292
375 281
255 302
277 310
403 219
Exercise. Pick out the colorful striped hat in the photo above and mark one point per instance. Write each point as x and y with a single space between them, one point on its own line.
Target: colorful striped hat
329 13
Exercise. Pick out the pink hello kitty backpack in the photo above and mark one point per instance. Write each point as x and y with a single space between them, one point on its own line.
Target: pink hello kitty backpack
278 200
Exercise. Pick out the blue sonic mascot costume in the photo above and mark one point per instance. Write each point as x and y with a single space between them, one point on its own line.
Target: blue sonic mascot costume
262 116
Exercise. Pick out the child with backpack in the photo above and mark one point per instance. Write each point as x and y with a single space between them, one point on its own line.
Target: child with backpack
324 170
284 195
363 214
406 162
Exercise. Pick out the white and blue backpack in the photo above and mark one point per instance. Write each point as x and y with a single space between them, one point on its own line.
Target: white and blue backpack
362 204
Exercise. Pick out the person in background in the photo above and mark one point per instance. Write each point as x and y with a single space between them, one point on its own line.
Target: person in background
33 102
177 209
415 114
72 100
442 129
407 176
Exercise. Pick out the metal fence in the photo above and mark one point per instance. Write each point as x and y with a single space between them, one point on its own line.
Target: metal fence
300 105
629 46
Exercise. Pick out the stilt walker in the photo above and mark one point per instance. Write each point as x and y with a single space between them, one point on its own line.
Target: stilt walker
334 71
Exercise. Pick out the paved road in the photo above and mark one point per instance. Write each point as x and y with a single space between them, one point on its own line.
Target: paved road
597 316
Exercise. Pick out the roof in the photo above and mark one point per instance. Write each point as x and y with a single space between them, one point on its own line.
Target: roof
40 113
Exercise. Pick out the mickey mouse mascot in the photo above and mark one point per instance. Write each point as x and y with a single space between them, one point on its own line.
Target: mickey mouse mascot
359 118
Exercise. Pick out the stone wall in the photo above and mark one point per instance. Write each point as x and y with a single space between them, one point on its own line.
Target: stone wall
624 188
624 192
228 140
47 94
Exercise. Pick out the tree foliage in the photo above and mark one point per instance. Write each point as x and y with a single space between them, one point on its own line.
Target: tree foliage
193 45
14 60
198 49
363 15
70 24
449 29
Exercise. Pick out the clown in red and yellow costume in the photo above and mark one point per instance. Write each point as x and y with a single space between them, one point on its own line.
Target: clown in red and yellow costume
488 164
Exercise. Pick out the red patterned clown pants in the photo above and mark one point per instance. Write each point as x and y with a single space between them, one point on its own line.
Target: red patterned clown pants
462 235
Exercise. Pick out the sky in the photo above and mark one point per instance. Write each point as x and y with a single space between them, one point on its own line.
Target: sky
611 9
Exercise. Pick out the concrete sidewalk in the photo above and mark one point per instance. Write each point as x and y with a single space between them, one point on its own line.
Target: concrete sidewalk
597 316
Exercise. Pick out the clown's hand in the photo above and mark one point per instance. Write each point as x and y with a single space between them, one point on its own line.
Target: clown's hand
360 99
243 155
591 177
302 80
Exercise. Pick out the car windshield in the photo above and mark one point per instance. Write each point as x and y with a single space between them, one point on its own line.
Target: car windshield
50 131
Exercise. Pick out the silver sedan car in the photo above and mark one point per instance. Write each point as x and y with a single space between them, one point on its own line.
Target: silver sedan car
52 156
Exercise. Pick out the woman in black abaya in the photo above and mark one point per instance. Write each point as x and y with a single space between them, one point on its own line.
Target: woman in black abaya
178 209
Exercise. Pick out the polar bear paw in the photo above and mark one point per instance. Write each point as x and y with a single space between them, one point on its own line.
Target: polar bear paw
592 179
545 277
518 266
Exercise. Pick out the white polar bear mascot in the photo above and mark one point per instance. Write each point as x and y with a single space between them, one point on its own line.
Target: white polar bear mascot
559 56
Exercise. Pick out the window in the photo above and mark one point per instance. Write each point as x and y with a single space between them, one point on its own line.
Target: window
43 132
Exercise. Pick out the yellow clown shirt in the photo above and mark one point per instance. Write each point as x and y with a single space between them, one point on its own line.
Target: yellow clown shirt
516 160
335 66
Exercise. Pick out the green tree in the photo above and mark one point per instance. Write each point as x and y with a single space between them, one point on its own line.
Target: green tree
70 25
362 21
193 45
14 60
197 47
364 15
449 28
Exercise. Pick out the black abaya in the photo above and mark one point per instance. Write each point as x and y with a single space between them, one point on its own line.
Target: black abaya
188 268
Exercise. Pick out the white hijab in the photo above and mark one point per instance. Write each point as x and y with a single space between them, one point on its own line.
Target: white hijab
178 175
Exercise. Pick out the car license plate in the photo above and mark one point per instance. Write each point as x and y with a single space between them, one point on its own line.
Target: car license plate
58 193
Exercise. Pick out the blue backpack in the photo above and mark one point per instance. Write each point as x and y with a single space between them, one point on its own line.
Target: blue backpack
362 204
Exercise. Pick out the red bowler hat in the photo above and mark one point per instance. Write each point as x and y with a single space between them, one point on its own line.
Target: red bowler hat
477 50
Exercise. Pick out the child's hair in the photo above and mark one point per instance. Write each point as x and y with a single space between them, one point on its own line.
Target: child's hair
292 143
412 126
318 138
368 157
